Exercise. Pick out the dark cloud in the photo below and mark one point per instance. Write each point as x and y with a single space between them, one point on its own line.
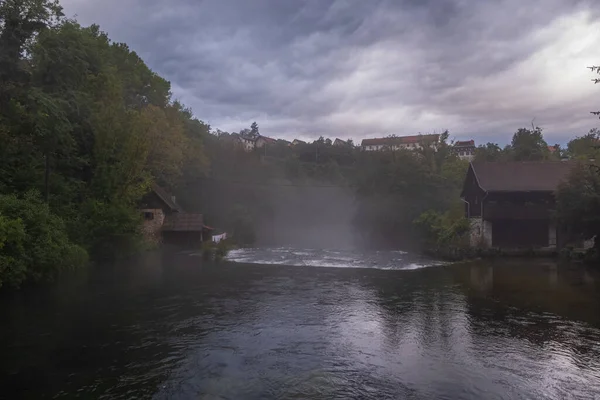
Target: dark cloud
354 68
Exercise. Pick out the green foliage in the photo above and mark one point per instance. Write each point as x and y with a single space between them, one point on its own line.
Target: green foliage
254 129
526 145
578 203
223 248
85 122
529 145
34 244
109 230
212 251
208 250
445 230
586 147
490 152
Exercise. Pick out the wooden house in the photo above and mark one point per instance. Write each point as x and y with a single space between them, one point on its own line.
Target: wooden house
510 204
185 229
155 206
166 222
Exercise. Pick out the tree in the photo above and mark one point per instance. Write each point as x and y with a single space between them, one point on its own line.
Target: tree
34 244
254 130
595 69
489 152
585 147
578 203
529 145
20 22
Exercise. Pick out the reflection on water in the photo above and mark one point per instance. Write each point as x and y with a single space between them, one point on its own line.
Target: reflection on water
168 327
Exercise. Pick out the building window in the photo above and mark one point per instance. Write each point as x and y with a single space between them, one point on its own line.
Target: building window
148 215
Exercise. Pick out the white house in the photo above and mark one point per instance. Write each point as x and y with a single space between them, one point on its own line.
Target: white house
399 142
465 150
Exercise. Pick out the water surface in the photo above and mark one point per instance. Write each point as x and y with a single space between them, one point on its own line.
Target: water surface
365 326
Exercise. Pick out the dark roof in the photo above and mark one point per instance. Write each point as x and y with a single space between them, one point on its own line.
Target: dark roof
266 139
525 176
464 143
247 137
165 197
183 222
395 140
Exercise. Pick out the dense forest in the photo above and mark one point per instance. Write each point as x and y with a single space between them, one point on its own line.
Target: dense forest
86 127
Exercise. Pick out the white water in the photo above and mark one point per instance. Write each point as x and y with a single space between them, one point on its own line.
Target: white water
386 260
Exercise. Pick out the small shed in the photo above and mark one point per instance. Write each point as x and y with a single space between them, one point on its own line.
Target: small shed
155 206
185 229
166 222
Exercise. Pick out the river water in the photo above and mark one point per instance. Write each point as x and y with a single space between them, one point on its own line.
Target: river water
305 324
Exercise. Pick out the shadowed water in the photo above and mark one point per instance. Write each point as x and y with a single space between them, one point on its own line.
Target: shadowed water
168 327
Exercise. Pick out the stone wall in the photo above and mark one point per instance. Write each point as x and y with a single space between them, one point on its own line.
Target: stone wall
487 233
475 233
552 235
152 225
481 233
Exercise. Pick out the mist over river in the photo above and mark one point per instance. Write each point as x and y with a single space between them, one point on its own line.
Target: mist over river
284 323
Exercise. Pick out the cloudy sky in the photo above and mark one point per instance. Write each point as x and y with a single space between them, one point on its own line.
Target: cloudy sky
357 68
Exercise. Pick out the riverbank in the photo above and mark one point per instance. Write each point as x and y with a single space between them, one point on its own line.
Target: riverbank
587 256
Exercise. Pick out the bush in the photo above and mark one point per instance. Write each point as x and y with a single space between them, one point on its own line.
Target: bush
444 232
208 250
109 231
34 244
214 251
223 248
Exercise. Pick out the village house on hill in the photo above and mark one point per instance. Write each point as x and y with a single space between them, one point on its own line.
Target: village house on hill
465 149
399 142
341 143
510 204
249 142
245 141
296 142
262 141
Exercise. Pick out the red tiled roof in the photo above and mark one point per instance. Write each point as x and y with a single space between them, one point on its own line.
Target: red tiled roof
182 222
525 176
464 143
267 139
395 140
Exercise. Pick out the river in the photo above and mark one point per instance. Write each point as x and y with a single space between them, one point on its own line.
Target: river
305 324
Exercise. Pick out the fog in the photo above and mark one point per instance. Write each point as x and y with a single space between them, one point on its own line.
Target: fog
281 214
309 217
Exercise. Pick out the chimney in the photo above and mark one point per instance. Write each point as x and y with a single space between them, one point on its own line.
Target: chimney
173 199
